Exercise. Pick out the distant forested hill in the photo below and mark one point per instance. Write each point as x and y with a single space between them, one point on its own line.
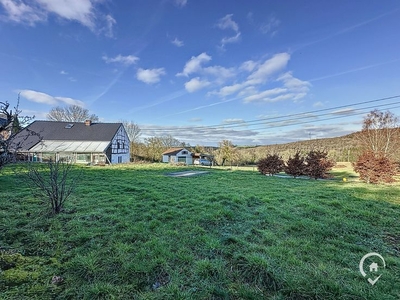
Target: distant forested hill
344 148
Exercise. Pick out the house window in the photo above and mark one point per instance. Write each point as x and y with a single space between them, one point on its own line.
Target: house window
119 159
182 159
184 152
118 145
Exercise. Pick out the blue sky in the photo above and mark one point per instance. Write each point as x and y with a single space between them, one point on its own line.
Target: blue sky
204 71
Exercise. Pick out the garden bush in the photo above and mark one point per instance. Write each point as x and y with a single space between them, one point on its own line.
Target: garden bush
295 165
271 165
318 164
375 168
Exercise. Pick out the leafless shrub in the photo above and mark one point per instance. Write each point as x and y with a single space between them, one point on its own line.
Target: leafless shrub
53 182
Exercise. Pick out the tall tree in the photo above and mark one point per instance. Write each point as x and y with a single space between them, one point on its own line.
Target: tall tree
380 133
133 131
380 142
71 113
155 148
226 151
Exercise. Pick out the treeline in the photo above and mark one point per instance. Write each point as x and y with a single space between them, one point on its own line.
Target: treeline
227 154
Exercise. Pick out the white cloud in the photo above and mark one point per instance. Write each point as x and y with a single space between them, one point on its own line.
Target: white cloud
177 42
233 121
294 84
231 39
220 73
82 11
292 89
74 10
265 96
44 98
196 84
62 72
248 66
318 104
227 23
270 27
126 60
269 67
19 12
200 133
229 90
108 28
262 81
194 64
180 3
69 101
150 76
248 91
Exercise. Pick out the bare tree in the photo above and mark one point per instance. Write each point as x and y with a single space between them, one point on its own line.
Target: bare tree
133 131
380 133
169 142
72 113
10 124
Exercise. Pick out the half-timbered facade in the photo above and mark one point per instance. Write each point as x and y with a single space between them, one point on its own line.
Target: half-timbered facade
79 142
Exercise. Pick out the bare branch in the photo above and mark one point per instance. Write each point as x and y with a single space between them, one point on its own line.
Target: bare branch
72 113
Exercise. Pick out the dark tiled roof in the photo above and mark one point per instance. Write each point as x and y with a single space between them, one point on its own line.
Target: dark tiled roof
53 130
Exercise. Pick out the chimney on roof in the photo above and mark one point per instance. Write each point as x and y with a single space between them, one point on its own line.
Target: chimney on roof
88 122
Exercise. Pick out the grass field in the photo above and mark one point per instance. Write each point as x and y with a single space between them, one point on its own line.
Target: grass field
131 232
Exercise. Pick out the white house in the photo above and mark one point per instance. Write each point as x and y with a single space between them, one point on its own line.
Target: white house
177 155
79 142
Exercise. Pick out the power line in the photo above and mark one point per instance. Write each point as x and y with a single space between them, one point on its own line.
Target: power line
305 116
315 121
289 118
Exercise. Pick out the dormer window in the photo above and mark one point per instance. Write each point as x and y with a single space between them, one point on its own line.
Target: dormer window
69 126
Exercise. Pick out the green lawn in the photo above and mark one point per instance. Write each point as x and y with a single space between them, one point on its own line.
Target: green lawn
133 233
